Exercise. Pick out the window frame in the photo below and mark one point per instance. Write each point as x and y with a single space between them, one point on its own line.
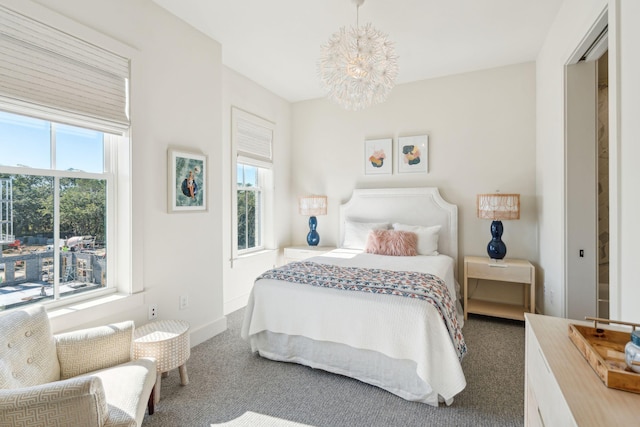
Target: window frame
116 153
265 180
259 232
127 240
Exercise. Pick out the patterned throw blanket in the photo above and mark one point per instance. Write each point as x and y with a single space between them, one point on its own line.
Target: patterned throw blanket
408 284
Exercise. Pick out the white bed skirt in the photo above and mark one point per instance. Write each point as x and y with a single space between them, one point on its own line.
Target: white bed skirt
394 375
398 344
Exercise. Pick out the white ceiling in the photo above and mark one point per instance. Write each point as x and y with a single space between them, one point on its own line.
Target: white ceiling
276 43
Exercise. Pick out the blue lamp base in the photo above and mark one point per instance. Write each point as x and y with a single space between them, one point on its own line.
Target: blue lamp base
313 238
496 247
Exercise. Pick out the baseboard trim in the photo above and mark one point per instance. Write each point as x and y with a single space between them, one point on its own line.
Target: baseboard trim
236 303
208 331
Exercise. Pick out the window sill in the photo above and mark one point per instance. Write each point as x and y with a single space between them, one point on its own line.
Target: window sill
75 314
245 257
256 252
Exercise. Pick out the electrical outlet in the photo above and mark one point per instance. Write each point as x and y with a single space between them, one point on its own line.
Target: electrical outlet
184 301
550 297
153 311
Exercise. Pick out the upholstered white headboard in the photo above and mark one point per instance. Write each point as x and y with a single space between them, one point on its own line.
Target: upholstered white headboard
415 206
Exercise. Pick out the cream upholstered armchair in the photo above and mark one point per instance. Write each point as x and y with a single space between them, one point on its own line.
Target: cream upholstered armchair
81 378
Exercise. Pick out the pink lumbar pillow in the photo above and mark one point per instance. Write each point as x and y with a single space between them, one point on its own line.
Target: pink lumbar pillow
392 242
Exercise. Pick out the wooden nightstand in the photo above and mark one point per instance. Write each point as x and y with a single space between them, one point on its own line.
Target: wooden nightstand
516 271
298 253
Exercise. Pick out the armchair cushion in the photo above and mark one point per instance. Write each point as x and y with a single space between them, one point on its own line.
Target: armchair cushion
127 388
27 349
89 350
105 352
74 402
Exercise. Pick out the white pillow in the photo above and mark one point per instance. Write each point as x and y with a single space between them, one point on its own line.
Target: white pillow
427 237
356 233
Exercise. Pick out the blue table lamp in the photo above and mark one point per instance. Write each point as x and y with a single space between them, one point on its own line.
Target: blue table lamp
497 207
312 206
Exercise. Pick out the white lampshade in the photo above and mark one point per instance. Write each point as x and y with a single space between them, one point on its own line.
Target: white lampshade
312 205
498 207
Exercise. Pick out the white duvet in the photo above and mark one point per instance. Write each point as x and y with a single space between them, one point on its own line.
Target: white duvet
408 333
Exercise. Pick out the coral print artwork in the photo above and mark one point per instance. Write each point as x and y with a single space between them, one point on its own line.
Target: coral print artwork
378 156
412 154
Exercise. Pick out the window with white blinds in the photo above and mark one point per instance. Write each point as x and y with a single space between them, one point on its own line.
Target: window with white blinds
64 121
60 77
253 138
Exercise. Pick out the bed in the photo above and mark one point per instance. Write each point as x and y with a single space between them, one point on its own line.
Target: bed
407 346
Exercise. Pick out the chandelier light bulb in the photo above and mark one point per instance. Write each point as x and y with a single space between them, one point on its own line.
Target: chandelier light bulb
358 66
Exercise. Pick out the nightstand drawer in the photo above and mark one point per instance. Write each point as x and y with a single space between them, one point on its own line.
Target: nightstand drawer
491 270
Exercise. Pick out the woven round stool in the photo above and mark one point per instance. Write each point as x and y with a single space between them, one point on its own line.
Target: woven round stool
168 342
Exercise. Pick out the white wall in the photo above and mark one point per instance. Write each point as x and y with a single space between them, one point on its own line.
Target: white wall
240 92
481 128
570 27
175 101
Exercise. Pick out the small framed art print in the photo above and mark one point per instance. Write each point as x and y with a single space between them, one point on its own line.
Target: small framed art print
413 154
187 181
378 157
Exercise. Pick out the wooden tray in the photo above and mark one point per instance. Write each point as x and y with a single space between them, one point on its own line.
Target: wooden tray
604 350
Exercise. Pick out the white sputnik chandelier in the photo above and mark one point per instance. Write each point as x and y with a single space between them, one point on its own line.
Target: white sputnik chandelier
358 66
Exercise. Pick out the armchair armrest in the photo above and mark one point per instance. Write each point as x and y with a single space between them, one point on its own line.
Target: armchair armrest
77 401
88 350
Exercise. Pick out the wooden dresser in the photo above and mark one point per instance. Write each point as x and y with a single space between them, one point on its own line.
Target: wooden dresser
561 389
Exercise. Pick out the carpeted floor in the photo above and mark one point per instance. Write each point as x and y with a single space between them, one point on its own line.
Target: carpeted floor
230 386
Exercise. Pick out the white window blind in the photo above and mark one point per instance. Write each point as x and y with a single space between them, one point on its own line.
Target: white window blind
253 138
53 73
